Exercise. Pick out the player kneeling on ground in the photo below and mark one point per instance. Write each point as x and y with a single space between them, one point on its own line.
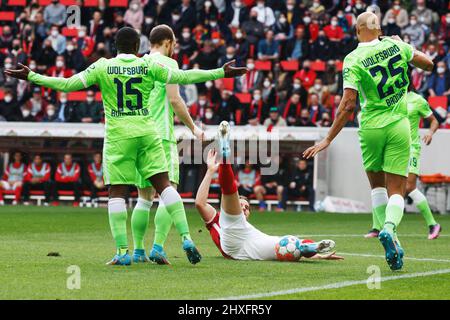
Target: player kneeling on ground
235 237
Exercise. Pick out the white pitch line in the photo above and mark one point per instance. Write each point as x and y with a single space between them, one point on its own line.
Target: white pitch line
380 256
336 285
362 235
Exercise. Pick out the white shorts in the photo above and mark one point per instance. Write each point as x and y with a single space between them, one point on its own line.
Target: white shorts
6 185
242 241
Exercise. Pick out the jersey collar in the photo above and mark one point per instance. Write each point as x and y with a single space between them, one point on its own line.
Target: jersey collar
368 44
126 56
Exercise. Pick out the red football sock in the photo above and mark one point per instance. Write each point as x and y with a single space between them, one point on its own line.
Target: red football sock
226 179
17 193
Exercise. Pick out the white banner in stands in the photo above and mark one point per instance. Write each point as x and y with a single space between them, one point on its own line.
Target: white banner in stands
336 204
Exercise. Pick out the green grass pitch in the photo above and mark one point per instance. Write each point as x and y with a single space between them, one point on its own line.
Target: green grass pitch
81 236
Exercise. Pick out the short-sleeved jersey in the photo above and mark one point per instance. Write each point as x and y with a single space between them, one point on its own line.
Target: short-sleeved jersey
378 71
418 108
160 107
125 82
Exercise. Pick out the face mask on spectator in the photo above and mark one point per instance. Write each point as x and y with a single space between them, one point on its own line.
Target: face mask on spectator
148 20
413 22
161 2
25 113
283 20
215 41
8 65
208 115
8 98
396 7
208 84
237 4
134 7
81 34
54 33
63 100
59 64
238 35
251 66
175 17
334 23
201 102
207 4
260 5
447 20
306 20
266 84
440 70
213 24
70 47
315 4
257 97
296 86
32 66
230 56
358 6
317 86
290 7
186 35
90 99
50 112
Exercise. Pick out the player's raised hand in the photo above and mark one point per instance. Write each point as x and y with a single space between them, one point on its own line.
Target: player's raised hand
211 161
427 139
231 72
198 133
21 73
312 151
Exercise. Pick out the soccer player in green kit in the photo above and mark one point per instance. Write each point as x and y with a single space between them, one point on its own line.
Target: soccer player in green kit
131 140
165 102
418 109
377 71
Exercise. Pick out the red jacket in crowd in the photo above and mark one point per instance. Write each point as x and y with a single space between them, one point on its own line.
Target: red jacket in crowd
67 174
95 171
42 172
14 172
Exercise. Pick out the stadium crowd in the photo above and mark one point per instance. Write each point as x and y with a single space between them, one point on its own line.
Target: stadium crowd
77 177
293 48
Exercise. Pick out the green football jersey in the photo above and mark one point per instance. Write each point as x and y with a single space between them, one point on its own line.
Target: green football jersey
159 105
126 82
378 71
418 108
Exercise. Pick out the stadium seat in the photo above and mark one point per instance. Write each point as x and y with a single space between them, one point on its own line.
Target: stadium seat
432 178
339 65
68 2
318 65
186 194
69 32
91 3
2 94
118 3
44 2
438 101
81 96
1 30
289 65
263 65
244 97
228 84
17 3
7 16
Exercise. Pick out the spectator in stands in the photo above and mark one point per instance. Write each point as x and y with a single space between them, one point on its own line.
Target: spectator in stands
273 185
90 111
188 15
241 44
85 43
36 104
321 49
320 90
55 14
439 82
50 114
134 16
300 185
284 33
210 118
274 119
265 13
315 108
57 40
208 56
9 107
317 9
415 32
46 56
236 13
37 178
333 31
391 28
253 28
247 180
269 93
292 109
95 171
230 54
251 80
257 109
357 9
96 27
211 92
305 119
6 81
306 75
12 179
228 106
60 69
17 54
298 49
73 57
293 13
400 14
325 121
268 47
67 177
6 38
423 14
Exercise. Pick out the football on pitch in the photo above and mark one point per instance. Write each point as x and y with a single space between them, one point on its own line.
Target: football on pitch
288 249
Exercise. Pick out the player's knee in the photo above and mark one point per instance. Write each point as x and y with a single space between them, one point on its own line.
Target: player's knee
118 191
147 193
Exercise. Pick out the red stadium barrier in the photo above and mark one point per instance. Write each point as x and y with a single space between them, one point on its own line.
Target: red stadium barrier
263 65
339 65
17 3
68 2
244 97
2 94
91 3
289 65
438 101
118 3
69 32
7 16
44 2
318 65
81 96
228 84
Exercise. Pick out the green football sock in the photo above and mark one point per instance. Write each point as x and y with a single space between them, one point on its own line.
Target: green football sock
174 206
422 204
379 216
394 213
139 222
379 201
117 214
163 223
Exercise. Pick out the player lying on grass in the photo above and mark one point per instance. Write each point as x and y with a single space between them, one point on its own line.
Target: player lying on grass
233 235
131 139
377 70
166 101
418 109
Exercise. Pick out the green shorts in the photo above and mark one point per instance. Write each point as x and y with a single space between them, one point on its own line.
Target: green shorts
171 155
122 158
414 161
387 149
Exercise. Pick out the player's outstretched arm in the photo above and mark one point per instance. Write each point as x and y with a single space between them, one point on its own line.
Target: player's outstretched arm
73 83
422 61
206 210
345 110
175 76
434 125
180 109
